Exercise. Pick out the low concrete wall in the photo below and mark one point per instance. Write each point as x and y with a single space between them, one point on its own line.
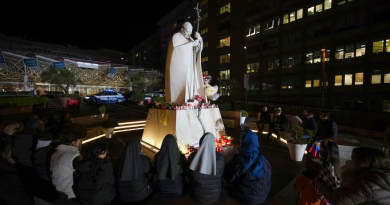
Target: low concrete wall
231 115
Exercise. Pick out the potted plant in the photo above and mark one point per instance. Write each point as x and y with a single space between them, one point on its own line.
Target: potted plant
300 138
109 126
102 110
244 115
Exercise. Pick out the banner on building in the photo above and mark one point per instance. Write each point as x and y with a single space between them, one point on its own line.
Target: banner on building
3 64
112 73
59 65
32 64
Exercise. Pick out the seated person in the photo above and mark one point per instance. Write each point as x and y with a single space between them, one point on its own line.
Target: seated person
170 167
25 141
248 173
11 130
65 120
12 191
62 161
94 178
279 124
265 118
136 174
308 193
205 171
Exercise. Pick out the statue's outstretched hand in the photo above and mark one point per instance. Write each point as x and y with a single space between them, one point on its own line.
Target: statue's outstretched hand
197 36
195 43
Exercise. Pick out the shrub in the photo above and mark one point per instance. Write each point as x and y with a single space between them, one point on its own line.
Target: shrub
300 135
244 113
138 97
102 109
160 100
225 105
23 101
110 124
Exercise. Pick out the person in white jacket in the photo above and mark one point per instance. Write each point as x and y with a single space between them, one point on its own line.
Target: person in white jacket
62 161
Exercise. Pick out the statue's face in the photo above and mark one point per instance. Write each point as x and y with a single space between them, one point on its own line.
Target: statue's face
187 31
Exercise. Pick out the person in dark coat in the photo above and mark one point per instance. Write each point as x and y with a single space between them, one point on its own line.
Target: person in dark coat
25 141
205 171
94 180
327 128
265 118
369 182
65 120
279 124
308 121
170 165
249 173
12 191
136 174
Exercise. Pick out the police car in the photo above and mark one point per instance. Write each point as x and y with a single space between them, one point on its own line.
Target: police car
105 97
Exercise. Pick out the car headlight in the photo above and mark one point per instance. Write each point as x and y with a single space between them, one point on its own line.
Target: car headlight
86 98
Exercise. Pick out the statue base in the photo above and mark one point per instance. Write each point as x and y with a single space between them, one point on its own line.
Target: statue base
183 124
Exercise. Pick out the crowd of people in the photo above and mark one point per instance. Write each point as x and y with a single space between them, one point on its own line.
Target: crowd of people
42 161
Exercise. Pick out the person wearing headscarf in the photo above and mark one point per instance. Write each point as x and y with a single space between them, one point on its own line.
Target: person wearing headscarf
248 173
205 171
94 178
136 174
170 167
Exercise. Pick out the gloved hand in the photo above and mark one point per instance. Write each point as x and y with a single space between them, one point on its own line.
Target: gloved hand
195 43
197 36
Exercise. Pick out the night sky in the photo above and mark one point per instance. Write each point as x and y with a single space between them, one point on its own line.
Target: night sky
118 25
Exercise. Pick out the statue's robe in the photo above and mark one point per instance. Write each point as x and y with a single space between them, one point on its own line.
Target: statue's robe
183 70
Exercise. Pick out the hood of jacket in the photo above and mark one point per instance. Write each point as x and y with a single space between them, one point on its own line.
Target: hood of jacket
67 147
377 177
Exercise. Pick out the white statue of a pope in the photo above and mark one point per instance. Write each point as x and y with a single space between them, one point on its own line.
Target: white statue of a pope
183 71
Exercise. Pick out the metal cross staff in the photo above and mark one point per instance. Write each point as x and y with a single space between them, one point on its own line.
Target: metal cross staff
198 11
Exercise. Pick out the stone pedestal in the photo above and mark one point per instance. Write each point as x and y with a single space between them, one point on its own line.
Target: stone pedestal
183 124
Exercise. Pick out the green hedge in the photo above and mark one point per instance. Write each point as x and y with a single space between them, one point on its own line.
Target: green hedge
159 100
23 101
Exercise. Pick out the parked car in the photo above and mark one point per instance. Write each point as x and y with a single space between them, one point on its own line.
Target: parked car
128 94
156 94
105 97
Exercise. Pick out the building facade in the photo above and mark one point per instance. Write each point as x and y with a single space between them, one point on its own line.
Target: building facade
291 48
147 54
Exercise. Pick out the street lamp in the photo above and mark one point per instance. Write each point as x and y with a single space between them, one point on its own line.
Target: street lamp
323 76
246 64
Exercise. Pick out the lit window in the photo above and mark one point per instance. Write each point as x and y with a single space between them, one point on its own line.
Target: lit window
387 78
310 11
376 79
387 46
206 72
378 46
300 14
348 79
359 79
338 80
285 19
224 74
350 51
340 53
316 83
206 44
136 55
270 65
248 68
308 84
360 49
309 58
317 57
328 4
224 9
318 8
284 87
257 67
327 55
292 16
253 30
205 59
224 42
224 58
